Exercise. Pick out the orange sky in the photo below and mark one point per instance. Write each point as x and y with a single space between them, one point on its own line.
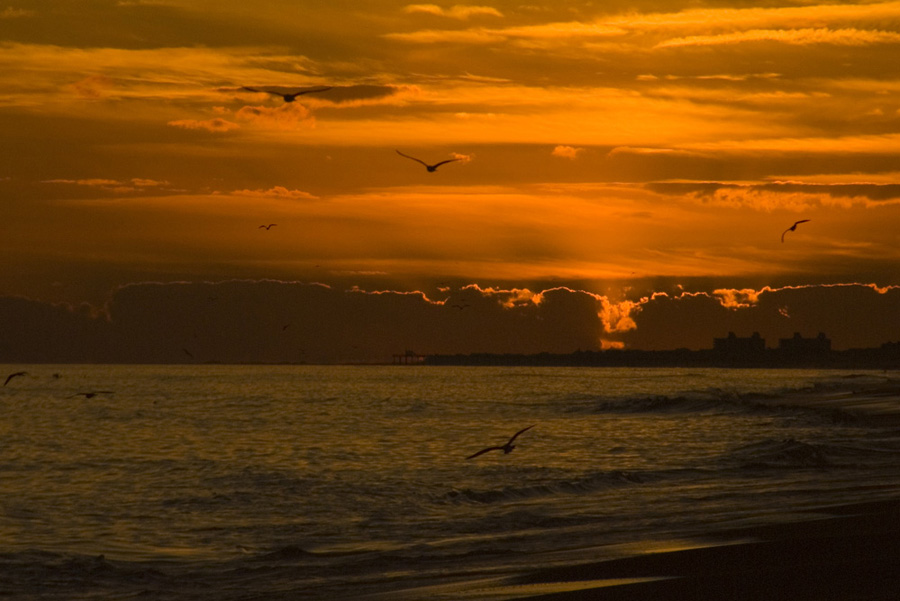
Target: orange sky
620 148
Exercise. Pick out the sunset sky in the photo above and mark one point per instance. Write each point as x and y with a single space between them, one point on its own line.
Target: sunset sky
625 173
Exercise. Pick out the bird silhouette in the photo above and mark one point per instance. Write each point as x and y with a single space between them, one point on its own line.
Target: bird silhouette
92 394
13 375
506 448
430 168
288 97
793 228
267 227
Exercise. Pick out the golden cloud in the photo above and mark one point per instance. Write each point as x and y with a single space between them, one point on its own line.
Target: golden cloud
287 116
15 13
618 317
437 36
645 151
758 17
112 185
804 37
817 24
91 182
458 11
94 86
564 31
567 152
736 299
217 125
864 144
277 192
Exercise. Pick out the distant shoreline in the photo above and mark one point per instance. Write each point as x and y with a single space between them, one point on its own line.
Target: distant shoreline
885 357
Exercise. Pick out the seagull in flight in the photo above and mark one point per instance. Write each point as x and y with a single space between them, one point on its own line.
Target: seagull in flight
13 375
507 448
430 168
288 97
267 227
92 394
793 228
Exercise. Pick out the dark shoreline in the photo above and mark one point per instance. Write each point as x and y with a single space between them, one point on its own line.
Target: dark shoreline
883 358
844 552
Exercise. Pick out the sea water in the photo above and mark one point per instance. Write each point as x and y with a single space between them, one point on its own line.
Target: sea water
336 482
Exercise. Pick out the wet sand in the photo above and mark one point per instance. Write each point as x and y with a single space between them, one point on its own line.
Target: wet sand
840 553
849 552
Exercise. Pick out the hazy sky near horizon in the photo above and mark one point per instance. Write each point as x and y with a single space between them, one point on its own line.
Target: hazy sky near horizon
616 150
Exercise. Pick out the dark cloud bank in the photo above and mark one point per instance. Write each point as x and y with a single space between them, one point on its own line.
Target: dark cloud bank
270 321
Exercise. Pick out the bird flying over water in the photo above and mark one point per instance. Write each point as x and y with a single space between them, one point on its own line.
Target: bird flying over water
506 448
288 97
793 228
267 227
430 168
92 394
13 375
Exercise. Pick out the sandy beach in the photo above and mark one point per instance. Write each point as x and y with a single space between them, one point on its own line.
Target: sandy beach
840 553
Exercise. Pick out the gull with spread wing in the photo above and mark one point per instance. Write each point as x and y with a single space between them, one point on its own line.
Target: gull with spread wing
430 168
506 448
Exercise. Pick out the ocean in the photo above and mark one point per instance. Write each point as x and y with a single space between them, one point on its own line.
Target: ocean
352 482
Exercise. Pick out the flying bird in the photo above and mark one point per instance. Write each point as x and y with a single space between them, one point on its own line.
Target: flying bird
507 448
267 227
793 228
90 395
288 97
430 168
13 375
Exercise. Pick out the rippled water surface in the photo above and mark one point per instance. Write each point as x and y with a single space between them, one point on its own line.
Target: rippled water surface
235 482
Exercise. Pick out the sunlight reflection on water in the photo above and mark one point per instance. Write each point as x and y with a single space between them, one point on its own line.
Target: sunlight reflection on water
218 462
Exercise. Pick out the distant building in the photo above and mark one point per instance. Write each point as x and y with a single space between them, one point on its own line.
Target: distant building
735 346
409 358
798 345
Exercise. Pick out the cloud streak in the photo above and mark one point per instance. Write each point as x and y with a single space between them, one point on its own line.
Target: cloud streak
277 192
779 193
457 11
815 24
800 37
217 125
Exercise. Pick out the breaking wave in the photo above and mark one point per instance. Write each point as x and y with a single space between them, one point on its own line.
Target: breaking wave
588 484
